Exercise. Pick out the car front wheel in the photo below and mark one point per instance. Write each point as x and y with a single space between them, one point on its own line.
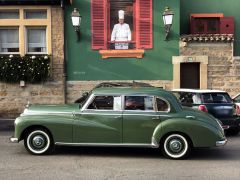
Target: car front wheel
176 146
38 142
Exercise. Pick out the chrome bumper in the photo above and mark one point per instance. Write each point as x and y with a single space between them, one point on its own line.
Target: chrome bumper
14 140
221 143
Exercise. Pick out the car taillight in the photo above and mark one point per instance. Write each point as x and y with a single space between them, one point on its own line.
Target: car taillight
237 109
202 108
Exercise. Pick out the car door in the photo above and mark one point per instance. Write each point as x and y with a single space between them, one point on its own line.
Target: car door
140 119
100 121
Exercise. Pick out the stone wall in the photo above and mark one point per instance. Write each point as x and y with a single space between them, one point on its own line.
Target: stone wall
13 98
223 68
76 88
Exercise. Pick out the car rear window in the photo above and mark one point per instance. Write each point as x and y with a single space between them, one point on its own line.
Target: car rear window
216 98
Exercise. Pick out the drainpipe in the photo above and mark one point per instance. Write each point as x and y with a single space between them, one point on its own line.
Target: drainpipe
64 78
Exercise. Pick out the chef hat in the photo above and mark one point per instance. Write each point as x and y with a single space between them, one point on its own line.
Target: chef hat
121 14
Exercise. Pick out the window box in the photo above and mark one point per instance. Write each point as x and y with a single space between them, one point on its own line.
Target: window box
131 53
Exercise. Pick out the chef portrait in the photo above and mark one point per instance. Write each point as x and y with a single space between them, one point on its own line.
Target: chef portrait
121 33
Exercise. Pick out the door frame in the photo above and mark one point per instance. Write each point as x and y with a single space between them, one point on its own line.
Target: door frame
203 60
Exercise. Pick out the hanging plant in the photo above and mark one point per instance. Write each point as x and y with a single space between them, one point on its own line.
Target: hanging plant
33 69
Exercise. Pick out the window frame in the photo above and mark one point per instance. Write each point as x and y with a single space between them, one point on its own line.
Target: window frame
143 18
205 18
10 10
22 23
133 29
35 11
17 28
26 39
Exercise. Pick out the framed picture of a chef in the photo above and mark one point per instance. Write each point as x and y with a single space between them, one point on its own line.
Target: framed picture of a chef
121 34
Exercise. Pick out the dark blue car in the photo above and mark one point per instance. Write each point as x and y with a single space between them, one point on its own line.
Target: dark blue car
215 102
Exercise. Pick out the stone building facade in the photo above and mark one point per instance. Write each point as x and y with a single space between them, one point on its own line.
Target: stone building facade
220 68
14 97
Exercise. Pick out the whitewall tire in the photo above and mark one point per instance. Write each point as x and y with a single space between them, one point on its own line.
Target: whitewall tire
38 141
176 146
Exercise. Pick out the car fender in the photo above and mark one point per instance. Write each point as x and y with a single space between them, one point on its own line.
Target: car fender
200 133
60 126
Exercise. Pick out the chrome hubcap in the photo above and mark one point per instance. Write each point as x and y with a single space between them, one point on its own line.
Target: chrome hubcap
38 141
175 145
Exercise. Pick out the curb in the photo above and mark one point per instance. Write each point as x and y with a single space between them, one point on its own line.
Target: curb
3 119
6 125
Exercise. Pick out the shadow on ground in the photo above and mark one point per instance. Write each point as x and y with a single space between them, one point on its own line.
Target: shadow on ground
196 154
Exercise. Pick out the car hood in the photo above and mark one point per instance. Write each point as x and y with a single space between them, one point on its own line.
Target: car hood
51 109
201 116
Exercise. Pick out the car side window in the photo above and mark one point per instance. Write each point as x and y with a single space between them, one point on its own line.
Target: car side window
144 103
186 98
162 105
102 103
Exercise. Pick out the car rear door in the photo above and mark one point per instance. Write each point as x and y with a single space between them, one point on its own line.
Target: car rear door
140 119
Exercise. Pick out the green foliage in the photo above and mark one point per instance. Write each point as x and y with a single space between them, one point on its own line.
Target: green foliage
33 69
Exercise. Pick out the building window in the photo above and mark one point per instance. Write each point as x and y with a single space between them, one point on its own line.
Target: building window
211 24
9 14
127 6
207 25
36 40
28 31
35 14
138 14
9 40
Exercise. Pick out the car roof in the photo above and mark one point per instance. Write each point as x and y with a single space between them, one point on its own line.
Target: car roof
199 90
130 90
123 84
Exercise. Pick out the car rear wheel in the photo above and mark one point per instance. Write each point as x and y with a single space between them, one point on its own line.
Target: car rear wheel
38 142
176 146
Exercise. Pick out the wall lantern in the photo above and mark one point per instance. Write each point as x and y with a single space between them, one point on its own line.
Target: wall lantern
76 22
167 19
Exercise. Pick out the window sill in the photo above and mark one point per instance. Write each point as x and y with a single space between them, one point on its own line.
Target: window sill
129 53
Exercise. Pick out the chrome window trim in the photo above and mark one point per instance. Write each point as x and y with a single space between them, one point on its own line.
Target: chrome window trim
124 114
93 113
169 106
123 107
46 113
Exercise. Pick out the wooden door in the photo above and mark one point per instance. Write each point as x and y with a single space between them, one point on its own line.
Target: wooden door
190 75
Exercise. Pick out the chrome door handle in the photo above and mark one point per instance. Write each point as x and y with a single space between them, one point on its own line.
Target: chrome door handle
190 117
156 118
117 117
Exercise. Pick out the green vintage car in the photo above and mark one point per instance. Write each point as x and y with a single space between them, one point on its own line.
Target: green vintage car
119 116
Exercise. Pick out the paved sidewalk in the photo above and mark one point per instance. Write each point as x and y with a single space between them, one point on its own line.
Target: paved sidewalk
6 124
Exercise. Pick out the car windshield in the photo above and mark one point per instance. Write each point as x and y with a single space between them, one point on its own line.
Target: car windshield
216 98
